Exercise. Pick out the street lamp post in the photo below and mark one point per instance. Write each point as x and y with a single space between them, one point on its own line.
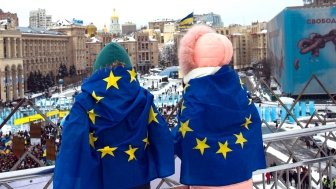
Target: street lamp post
61 82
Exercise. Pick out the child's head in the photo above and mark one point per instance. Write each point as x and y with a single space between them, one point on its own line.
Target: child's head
112 54
203 47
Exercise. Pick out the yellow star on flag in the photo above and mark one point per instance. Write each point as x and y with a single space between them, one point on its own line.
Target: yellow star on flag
131 152
223 149
240 139
250 101
97 98
146 141
185 128
185 87
183 107
107 150
247 122
92 139
152 116
92 116
132 74
112 81
201 145
241 82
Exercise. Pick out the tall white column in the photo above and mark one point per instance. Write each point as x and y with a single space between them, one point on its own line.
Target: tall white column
2 86
14 46
8 47
1 48
14 84
20 46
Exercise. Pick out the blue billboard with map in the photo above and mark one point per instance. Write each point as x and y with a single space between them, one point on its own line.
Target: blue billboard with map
301 42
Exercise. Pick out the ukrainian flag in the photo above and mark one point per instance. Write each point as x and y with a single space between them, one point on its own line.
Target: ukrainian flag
187 21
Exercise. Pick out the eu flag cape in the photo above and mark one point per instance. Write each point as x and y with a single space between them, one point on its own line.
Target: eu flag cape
114 136
218 138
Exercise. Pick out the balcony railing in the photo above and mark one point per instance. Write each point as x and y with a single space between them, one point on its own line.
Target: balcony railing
41 177
311 165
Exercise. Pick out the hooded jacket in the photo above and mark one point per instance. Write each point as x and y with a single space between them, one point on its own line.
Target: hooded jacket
114 136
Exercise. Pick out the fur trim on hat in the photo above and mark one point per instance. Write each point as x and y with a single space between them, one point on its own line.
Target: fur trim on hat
203 47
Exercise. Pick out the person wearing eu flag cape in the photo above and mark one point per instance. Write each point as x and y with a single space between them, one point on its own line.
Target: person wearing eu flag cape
218 136
113 137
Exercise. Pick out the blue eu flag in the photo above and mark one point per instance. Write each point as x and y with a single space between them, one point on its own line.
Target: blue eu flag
114 136
218 138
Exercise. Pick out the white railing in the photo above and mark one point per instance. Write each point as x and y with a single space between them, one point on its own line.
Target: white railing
8 179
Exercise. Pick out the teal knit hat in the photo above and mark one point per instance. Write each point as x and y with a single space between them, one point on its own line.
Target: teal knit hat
112 53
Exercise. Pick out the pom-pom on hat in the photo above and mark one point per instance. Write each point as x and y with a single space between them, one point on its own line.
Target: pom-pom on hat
112 53
201 46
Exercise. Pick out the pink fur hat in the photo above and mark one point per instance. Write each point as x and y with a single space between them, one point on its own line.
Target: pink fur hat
203 47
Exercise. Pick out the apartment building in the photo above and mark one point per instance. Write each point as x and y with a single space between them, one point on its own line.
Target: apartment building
128 28
241 50
159 24
168 32
143 50
39 19
131 46
148 52
11 19
258 41
210 19
249 43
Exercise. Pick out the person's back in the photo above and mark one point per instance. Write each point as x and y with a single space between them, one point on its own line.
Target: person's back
113 136
219 127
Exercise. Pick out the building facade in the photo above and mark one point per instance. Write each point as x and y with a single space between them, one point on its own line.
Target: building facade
169 31
241 50
159 24
11 66
77 41
148 52
249 43
93 47
210 19
44 52
114 25
128 28
39 19
319 2
131 47
258 41
104 37
11 17
143 51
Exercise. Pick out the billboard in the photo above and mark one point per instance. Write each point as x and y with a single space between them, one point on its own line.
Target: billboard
301 42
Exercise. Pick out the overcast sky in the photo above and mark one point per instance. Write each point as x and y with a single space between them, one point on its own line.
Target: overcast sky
141 11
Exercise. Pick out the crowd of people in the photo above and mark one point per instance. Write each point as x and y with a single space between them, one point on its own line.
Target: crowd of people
36 147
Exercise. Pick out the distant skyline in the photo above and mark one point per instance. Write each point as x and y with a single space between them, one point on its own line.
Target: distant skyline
141 12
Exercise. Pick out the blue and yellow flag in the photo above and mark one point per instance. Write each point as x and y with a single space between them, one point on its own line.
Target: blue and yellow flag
187 21
218 138
113 137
